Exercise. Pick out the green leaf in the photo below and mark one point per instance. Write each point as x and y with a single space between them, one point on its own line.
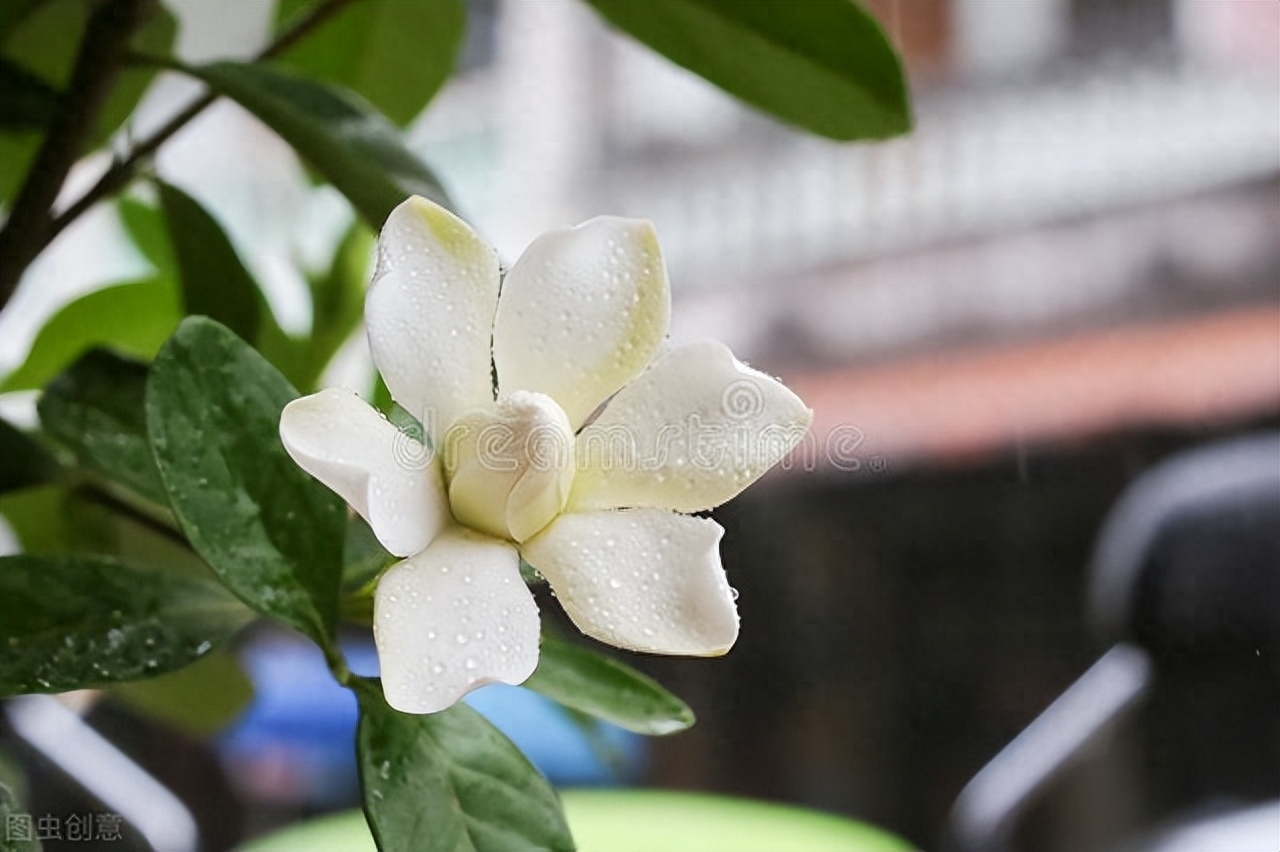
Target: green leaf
215 282
450 782
24 462
356 149
201 699
133 318
17 150
147 230
184 242
364 558
394 53
45 39
824 65
271 532
57 519
337 300
39 37
154 38
381 400
286 353
28 101
12 13
79 620
600 686
97 409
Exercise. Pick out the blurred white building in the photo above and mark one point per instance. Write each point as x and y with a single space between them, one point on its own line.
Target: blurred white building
1077 165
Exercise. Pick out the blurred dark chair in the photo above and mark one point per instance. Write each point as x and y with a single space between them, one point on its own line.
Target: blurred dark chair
1171 741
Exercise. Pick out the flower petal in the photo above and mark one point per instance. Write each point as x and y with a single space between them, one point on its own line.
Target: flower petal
582 312
642 579
429 313
691 432
453 618
389 478
510 467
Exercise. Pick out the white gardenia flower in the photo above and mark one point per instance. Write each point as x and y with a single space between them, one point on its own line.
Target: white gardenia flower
592 499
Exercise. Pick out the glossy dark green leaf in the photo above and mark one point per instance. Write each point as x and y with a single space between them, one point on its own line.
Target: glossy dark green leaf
79 620
97 409
133 318
356 149
271 532
450 782
600 686
394 53
215 282
24 462
201 699
28 101
824 65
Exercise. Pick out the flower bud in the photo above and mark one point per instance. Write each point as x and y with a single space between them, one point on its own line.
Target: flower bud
510 467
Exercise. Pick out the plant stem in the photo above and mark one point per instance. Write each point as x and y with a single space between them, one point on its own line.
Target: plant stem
29 226
123 171
337 665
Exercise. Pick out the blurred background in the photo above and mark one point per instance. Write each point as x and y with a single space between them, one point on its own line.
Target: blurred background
1066 273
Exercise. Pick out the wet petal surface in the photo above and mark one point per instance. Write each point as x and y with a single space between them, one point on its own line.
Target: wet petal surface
430 311
582 312
451 619
642 579
392 480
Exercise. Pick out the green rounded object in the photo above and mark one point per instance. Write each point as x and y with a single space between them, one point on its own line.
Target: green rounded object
642 821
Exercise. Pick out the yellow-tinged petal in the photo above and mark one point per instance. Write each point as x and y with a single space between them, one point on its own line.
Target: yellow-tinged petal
510 466
430 312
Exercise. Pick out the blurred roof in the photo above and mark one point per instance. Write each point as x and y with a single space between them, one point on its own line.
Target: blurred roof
960 405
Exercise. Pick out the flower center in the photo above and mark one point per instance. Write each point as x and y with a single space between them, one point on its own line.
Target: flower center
510 466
